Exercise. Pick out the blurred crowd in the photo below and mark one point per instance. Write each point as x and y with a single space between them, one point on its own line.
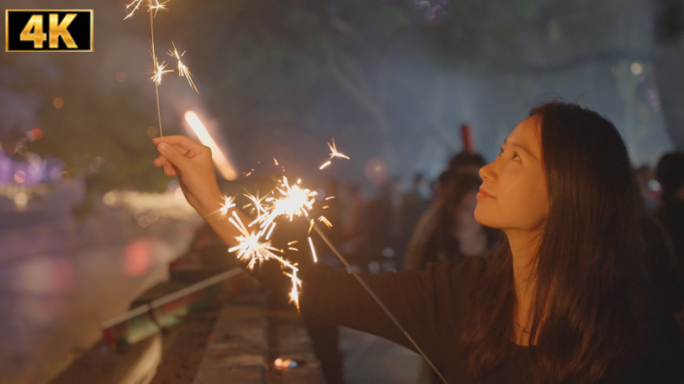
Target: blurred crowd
397 229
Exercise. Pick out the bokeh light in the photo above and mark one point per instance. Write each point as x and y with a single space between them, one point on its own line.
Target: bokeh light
20 177
121 76
152 132
35 134
58 103
376 171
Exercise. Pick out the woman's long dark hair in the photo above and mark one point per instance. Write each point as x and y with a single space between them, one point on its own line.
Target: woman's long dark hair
591 244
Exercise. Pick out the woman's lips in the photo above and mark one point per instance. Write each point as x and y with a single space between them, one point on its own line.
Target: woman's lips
484 195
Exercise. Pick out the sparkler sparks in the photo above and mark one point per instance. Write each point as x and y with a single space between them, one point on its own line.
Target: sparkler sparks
159 71
228 203
135 4
183 70
254 251
296 285
295 201
156 6
325 221
333 153
313 250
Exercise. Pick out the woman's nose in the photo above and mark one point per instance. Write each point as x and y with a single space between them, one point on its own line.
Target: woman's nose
487 172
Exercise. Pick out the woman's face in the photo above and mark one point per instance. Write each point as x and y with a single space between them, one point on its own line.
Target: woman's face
513 194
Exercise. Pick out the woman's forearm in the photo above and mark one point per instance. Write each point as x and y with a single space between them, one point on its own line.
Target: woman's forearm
217 217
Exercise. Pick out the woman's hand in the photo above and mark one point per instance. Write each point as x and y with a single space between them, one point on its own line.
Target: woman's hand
191 162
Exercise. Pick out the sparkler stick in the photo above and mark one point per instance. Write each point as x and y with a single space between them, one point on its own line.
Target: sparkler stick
377 300
158 71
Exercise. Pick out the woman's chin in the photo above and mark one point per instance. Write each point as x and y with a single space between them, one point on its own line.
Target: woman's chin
482 218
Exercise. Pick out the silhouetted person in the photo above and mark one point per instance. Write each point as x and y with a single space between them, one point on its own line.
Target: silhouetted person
378 223
411 207
455 234
462 163
644 175
661 267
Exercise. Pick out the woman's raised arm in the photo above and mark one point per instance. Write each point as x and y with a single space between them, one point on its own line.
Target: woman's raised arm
413 298
191 162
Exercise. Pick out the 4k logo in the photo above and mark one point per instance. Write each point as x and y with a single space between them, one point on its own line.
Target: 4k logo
33 30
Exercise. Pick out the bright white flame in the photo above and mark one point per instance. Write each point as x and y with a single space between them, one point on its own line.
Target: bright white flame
224 166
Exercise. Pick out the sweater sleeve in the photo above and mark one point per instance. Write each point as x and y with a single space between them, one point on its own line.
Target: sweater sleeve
424 303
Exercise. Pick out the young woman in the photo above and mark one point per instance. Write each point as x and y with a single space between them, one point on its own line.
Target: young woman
561 302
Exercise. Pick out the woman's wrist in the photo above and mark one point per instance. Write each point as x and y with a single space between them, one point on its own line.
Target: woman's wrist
210 203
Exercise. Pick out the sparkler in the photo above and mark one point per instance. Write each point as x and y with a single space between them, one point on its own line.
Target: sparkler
298 201
295 201
153 7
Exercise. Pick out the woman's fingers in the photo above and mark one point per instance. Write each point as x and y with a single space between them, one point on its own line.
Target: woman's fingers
173 156
181 141
159 161
168 169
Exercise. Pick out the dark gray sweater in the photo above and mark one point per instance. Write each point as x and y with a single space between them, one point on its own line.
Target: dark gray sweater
431 305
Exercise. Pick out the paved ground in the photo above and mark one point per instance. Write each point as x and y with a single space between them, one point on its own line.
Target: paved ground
371 360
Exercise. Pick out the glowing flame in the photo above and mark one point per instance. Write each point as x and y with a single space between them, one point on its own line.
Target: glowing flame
224 166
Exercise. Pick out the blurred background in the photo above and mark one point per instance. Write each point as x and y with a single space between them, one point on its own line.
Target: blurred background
87 222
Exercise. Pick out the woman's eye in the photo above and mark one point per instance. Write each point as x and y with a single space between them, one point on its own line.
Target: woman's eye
515 155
